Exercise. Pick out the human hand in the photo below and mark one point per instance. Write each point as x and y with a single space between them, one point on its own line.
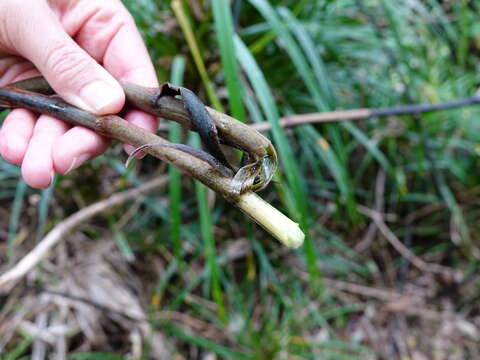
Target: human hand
80 47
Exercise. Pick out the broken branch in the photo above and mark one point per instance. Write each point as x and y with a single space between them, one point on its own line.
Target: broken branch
196 163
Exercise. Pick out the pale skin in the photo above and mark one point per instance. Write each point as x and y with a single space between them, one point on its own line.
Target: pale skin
82 47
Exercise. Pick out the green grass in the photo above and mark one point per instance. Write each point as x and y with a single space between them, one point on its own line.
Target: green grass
181 14
205 218
224 32
95 356
299 196
290 58
19 350
15 214
175 186
207 233
43 207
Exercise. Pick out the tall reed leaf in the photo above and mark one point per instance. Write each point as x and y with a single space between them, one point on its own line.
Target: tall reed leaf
188 32
287 158
224 32
206 228
206 224
15 218
175 191
306 73
43 209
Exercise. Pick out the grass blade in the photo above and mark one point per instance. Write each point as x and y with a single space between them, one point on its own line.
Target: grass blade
260 44
19 349
259 84
220 350
224 31
14 218
96 356
293 50
309 79
182 18
311 53
206 224
206 228
43 210
175 187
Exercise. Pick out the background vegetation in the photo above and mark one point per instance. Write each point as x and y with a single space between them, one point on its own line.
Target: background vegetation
390 205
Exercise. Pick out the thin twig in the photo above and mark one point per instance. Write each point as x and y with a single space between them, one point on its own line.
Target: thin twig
87 301
379 204
414 302
365 113
403 250
57 234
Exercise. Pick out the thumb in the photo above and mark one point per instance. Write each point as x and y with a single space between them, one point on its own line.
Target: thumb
71 72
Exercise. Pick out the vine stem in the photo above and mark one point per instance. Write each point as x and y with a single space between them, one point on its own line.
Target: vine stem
195 164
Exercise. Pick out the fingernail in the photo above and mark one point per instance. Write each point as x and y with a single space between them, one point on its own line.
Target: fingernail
99 96
129 149
77 161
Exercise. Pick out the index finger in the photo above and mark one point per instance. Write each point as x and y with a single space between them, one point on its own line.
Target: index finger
128 60
110 35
